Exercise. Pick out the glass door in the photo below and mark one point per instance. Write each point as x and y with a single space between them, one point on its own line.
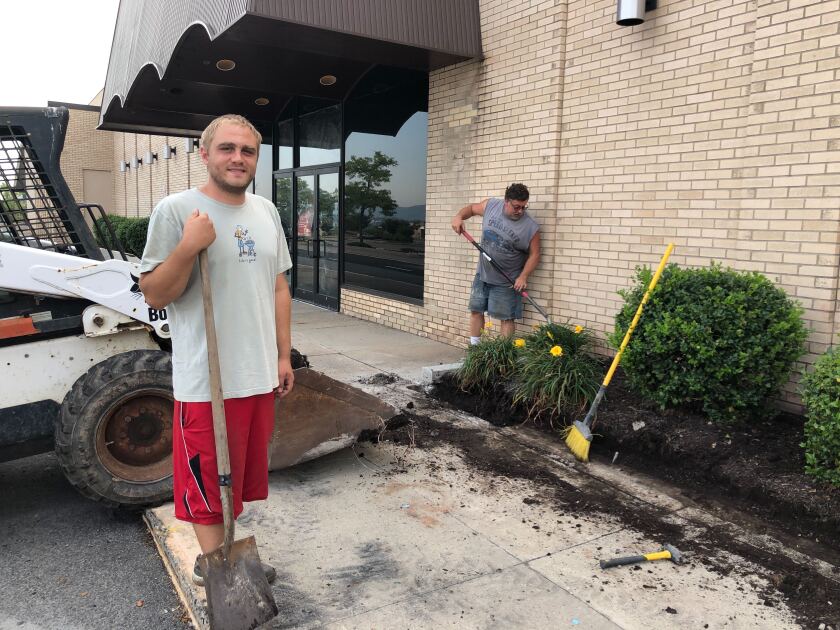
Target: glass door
327 246
284 200
305 238
308 203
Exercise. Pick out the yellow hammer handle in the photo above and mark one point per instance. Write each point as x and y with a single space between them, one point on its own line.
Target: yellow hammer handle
635 321
659 555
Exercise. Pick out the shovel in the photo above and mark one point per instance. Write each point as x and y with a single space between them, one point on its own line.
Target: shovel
238 594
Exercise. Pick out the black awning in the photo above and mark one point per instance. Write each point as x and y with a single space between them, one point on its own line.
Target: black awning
163 75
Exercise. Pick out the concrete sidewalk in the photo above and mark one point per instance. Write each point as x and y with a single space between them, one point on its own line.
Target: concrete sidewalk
348 349
390 535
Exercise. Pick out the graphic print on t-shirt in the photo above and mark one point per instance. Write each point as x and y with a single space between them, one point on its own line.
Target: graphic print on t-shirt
245 243
495 241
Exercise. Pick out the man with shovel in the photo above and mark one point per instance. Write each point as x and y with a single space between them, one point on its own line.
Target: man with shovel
252 317
512 238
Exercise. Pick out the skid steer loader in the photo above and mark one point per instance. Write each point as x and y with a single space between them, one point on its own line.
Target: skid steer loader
85 362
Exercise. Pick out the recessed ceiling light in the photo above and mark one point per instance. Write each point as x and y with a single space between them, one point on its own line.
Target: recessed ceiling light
327 79
261 101
225 65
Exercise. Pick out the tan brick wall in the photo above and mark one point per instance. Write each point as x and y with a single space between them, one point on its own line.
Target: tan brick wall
85 149
715 125
712 126
490 123
138 190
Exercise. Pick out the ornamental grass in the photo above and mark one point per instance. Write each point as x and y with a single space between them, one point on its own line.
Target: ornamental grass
557 374
489 364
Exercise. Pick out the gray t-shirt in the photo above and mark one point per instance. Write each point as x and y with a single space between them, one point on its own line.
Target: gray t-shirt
245 259
506 241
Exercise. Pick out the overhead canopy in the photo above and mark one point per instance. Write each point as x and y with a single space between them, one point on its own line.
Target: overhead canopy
163 76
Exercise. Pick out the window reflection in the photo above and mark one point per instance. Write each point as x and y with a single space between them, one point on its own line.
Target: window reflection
385 183
285 144
320 135
284 203
262 176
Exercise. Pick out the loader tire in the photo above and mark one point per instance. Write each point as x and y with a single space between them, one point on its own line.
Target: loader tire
113 437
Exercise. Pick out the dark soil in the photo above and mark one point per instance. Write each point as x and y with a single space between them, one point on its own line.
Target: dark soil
299 360
752 476
758 468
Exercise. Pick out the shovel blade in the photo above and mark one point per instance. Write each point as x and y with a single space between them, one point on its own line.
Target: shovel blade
238 594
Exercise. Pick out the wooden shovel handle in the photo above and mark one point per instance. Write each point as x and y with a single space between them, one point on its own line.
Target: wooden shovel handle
217 401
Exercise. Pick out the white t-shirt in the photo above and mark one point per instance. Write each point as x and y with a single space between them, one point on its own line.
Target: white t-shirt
245 259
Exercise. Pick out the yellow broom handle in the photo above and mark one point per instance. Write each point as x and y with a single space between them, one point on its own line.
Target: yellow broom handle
635 321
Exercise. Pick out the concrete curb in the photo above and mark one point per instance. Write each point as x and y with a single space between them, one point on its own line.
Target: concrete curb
180 575
433 373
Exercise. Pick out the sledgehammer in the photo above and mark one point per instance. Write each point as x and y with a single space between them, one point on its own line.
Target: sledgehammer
669 552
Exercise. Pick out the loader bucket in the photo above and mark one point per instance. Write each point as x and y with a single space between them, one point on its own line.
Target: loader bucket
321 415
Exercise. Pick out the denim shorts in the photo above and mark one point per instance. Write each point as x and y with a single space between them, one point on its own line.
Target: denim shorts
500 302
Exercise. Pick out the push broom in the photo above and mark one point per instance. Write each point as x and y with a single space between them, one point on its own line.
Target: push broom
579 435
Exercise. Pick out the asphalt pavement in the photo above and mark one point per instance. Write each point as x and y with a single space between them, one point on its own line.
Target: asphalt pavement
69 563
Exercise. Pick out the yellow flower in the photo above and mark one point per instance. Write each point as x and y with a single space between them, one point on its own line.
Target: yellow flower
519 343
556 351
550 336
488 325
578 329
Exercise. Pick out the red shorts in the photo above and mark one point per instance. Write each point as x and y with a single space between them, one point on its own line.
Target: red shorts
250 423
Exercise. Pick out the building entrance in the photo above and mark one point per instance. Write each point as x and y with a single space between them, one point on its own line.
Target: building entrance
308 202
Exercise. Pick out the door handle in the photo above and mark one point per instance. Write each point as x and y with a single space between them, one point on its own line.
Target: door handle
317 248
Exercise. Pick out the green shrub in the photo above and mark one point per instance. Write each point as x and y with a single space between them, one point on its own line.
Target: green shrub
134 235
558 375
130 231
718 339
821 395
488 364
103 235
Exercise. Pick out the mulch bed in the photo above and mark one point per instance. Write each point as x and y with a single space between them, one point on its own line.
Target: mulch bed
758 469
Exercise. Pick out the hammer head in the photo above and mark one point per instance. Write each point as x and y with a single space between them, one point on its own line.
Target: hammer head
676 554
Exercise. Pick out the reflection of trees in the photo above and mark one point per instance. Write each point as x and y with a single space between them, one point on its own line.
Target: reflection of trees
305 194
306 197
362 193
398 230
283 195
326 210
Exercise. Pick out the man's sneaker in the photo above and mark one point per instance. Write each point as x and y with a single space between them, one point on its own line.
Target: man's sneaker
198 576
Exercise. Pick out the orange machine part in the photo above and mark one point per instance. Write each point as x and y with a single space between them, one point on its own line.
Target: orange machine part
16 327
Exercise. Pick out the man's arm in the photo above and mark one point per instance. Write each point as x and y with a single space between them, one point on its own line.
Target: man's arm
530 264
472 210
283 323
166 282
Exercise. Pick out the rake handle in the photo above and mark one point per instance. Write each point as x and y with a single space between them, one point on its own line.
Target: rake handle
489 259
217 402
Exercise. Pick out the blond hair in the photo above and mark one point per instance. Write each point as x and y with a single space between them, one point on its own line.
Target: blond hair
236 119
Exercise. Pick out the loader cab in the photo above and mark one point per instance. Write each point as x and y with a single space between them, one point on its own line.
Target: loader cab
38 211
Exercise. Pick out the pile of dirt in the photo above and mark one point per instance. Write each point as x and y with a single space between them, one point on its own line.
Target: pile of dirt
757 468
299 360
